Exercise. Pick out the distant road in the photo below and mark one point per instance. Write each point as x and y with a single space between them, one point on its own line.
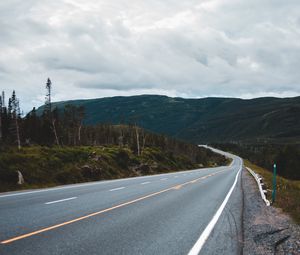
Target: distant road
176 213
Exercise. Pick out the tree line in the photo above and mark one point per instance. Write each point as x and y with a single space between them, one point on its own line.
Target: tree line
65 127
10 117
286 156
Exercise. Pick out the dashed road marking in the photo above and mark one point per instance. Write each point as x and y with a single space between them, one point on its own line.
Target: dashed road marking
61 200
117 189
143 183
94 214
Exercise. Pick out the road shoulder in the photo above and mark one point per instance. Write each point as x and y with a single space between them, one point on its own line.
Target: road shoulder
267 230
227 235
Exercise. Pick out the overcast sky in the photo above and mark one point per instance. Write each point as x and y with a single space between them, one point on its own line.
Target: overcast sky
187 48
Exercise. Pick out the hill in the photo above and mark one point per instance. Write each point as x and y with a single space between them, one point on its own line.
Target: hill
204 120
56 148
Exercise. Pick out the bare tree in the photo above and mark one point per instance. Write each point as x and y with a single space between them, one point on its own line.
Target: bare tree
55 132
137 140
121 137
80 121
144 136
48 109
2 106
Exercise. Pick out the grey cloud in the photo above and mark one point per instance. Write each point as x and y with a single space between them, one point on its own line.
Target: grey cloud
183 48
113 85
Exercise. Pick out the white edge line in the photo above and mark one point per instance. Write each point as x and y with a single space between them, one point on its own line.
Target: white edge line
263 196
205 234
62 200
117 189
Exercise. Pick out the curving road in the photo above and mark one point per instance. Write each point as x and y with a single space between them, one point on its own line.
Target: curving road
187 212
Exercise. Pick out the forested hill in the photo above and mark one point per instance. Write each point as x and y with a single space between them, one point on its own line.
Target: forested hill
56 148
201 120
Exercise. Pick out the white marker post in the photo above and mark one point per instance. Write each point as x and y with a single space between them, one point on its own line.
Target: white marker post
274 184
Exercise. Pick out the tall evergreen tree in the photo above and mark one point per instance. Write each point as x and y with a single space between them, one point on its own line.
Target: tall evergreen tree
16 116
1 106
48 107
48 111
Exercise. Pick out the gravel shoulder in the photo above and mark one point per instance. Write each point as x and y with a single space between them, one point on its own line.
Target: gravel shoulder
267 230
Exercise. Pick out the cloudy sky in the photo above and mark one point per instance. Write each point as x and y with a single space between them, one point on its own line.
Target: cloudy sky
187 48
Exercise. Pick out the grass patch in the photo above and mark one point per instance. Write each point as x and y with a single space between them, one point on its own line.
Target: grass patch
50 166
288 192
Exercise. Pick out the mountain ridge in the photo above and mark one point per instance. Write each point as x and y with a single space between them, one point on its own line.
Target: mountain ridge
203 120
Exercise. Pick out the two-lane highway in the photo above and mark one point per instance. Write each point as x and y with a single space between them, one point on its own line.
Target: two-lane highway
160 214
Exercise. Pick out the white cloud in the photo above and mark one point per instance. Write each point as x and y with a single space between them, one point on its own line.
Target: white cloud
189 48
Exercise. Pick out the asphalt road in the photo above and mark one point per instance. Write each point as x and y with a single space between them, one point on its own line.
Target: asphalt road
159 214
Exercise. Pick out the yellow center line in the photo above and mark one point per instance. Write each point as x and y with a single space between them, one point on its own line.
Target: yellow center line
178 187
102 211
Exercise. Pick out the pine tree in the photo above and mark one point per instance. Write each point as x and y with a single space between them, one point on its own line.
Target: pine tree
15 115
48 106
1 106
48 110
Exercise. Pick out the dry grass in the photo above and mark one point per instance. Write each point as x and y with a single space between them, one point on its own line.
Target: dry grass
288 192
43 166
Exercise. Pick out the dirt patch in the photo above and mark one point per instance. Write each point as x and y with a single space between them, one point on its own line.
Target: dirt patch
267 230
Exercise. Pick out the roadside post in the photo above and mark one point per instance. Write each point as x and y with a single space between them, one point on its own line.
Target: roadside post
274 184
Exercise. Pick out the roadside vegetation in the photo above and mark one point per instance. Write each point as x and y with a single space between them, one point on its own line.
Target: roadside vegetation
261 157
288 191
55 147
286 156
50 166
